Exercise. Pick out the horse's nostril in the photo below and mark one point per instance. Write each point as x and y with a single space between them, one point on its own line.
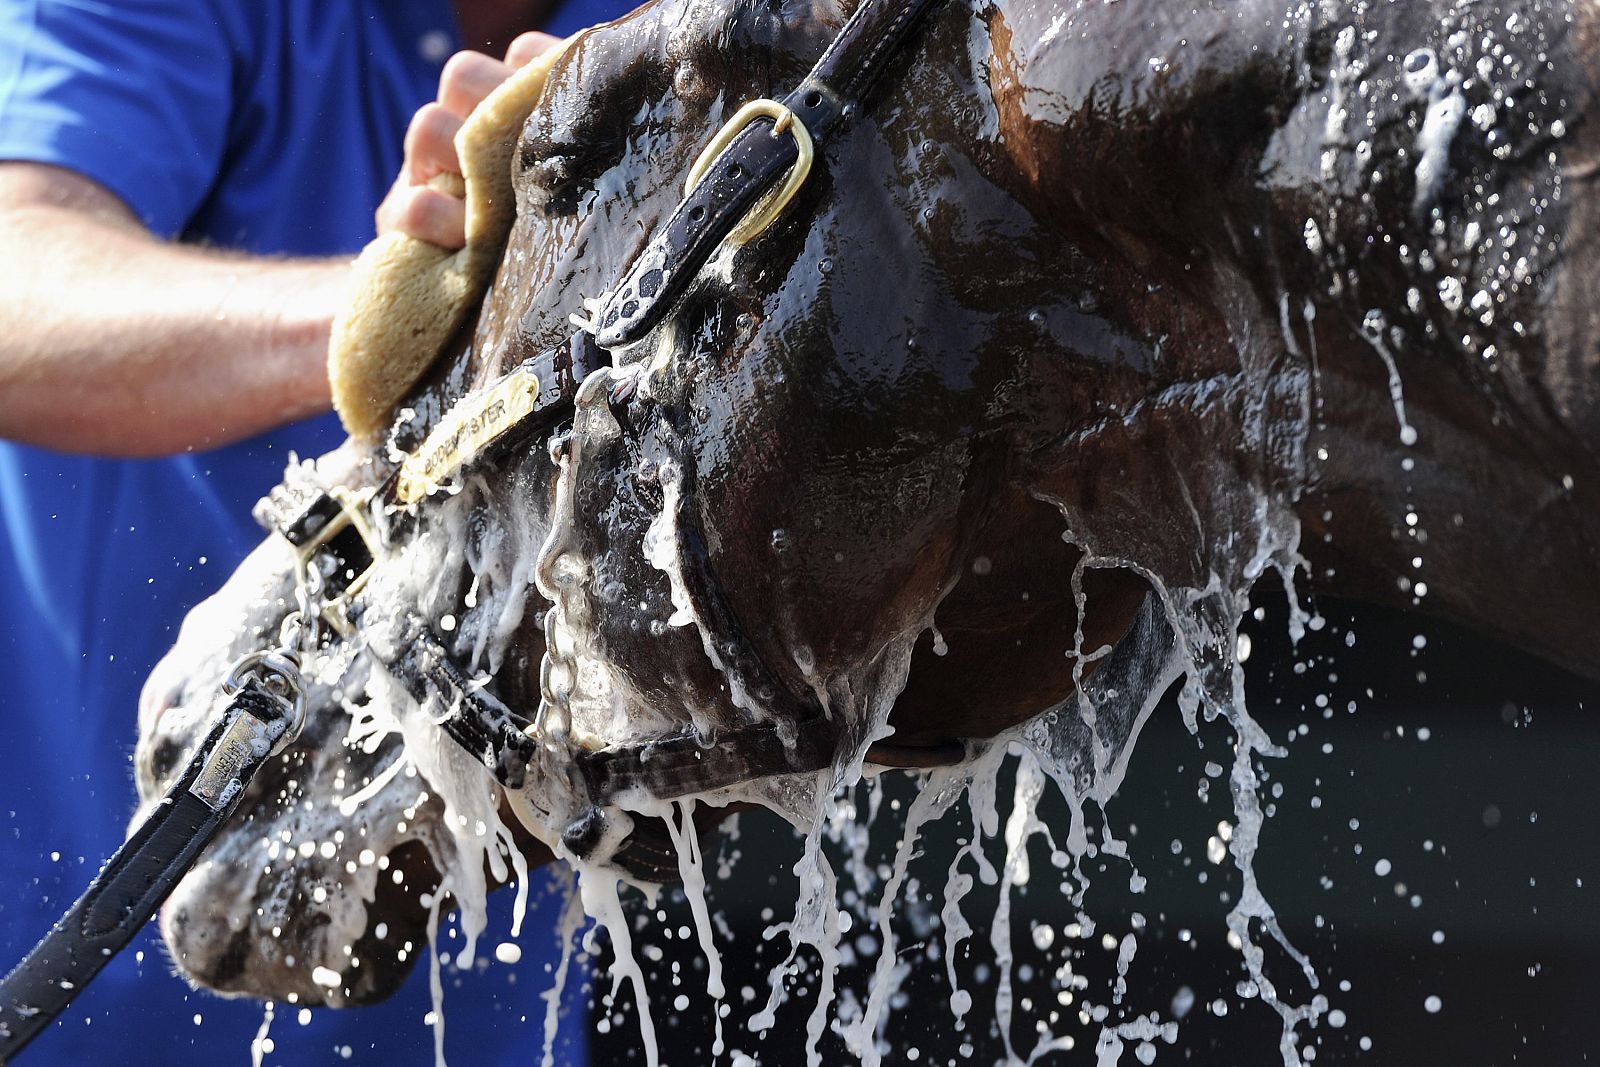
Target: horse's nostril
164 757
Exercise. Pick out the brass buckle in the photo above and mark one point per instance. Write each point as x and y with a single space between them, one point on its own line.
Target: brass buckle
771 205
335 610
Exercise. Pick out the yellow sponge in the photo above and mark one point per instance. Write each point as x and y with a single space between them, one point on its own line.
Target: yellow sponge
407 296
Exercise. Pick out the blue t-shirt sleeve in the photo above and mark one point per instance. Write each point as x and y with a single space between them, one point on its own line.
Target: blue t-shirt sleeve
134 94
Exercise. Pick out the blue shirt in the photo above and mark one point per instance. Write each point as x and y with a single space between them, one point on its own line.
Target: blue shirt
274 127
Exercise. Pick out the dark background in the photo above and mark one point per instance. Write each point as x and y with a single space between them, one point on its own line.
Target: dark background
1466 765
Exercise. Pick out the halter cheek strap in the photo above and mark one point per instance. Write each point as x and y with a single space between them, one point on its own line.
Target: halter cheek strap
762 143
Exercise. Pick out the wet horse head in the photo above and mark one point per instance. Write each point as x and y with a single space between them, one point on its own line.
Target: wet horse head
1090 308
1092 300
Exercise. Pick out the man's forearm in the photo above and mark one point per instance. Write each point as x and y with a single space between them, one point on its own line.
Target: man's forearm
114 342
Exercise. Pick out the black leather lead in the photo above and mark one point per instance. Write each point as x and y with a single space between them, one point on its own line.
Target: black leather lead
142 873
750 166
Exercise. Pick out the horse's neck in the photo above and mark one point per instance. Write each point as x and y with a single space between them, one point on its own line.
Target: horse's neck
1483 520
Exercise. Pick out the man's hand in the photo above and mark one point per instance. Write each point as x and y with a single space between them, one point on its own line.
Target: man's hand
412 205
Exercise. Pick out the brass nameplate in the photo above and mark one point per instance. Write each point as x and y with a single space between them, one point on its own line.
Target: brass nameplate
221 778
467 429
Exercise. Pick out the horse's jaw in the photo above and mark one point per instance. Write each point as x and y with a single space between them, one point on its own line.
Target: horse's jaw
628 655
643 640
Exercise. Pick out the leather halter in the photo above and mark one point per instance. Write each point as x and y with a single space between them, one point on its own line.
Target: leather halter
729 196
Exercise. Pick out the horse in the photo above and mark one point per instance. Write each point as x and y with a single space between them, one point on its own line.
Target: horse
1093 319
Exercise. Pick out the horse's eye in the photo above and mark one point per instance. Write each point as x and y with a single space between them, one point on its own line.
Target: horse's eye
575 135
562 153
556 179
550 179
548 184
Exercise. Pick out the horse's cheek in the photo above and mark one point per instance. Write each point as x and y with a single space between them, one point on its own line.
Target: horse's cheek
823 551
1010 637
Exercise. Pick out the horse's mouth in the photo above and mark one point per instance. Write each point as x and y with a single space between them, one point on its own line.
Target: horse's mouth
375 966
299 898
337 929
315 892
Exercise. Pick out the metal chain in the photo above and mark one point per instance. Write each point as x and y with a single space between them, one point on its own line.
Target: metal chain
558 669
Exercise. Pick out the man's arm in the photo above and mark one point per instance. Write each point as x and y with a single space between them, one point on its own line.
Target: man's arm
115 342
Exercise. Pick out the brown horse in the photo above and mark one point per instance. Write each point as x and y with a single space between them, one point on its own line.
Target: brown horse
1095 316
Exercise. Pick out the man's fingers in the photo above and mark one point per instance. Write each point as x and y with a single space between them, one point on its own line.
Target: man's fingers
469 77
430 146
530 46
412 206
426 214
